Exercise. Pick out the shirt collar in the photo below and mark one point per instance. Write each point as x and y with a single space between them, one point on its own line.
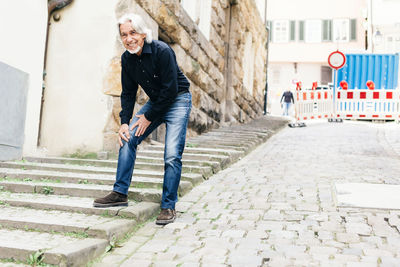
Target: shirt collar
146 48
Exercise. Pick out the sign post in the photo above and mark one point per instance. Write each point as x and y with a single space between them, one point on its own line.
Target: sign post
336 60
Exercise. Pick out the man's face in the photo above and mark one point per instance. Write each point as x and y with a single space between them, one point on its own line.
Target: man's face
133 41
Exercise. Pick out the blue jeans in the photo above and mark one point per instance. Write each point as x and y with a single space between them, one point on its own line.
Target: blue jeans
176 120
286 108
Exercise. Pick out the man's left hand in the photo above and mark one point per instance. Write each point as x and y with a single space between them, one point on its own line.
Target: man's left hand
142 123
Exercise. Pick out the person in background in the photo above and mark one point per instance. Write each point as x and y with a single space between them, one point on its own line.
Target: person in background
288 99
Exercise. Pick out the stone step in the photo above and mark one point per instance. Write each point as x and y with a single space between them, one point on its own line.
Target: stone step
139 211
112 163
249 131
196 149
194 178
238 144
214 145
244 129
57 167
204 171
229 135
58 249
232 142
59 177
54 176
86 190
242 134
223 160
215 165
65 222
158 165
79 190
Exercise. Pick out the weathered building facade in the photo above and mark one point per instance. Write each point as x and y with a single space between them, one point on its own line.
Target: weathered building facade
220 46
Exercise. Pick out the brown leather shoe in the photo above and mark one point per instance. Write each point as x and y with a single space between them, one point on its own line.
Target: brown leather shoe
166 216
111 200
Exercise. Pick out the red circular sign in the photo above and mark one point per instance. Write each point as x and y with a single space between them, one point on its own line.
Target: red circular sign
336 60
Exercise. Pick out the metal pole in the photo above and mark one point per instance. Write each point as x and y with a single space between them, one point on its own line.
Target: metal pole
334 92
266 61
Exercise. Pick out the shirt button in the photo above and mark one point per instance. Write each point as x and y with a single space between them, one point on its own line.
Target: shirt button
142 70
147 80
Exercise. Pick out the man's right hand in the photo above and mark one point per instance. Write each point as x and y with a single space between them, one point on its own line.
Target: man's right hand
123 134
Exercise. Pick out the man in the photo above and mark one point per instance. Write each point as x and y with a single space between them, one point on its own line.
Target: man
152 65
288 99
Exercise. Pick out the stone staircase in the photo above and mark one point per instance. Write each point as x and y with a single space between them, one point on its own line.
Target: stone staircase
46 203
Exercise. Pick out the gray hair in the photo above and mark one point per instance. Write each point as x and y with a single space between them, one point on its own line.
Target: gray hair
138 24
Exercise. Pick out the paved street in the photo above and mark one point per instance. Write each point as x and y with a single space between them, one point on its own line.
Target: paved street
277 206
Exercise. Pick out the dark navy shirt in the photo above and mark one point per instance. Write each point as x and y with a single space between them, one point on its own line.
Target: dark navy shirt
157 72
288 97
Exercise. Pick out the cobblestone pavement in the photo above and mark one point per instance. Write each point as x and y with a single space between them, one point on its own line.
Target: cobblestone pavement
276 207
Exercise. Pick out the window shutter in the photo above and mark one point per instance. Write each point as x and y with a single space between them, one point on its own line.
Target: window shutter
301 30
292 30
353 29
269 25
327 30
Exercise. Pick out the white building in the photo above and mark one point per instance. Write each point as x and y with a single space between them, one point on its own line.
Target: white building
385 26
303 34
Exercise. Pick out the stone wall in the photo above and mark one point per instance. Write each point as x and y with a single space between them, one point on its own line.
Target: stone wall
214 67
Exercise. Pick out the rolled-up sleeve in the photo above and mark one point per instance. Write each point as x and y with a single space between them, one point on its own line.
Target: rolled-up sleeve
128 95
169 84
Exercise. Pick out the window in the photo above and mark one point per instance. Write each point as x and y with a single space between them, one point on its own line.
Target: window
327 30
390 44
301 30
353 30
326 75
276 75
341 30
200 13
281 31
397 44
248 63
313 31
292 30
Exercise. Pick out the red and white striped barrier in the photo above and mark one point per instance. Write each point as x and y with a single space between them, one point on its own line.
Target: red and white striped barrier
368 104
313 104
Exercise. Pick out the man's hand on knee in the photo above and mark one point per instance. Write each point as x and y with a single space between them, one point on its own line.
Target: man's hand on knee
123 134
142 123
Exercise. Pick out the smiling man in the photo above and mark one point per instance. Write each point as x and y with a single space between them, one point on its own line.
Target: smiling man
152 65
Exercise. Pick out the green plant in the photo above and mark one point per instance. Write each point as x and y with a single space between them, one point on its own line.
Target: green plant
106 214
85 181
47 190
80 235
27 179
36 258
113 244
82 155
191 145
